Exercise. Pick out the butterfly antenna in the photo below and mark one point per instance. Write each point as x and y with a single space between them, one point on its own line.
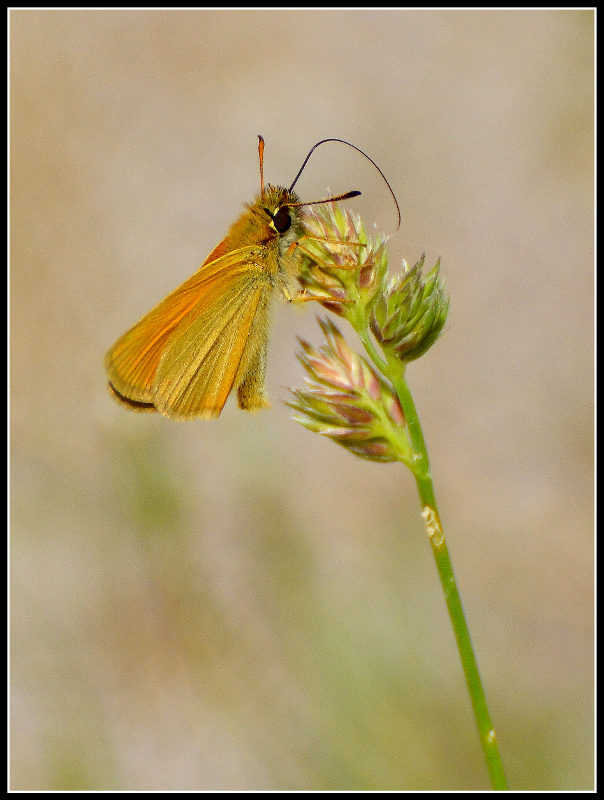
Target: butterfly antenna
349 194
261 157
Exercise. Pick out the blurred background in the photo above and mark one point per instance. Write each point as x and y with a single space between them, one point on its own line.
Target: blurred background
241 604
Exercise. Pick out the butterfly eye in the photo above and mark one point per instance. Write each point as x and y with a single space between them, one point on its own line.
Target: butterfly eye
282 221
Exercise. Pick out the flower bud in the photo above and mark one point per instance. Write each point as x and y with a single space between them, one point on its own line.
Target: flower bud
345 266
410 312
349 402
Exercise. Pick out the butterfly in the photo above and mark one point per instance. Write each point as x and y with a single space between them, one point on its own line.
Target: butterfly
210 335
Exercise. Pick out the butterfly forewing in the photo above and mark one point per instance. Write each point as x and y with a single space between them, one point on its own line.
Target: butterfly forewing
133 361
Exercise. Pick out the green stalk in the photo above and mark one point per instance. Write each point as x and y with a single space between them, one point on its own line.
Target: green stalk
406 315
444 566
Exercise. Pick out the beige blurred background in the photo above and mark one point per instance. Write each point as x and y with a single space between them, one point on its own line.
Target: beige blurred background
241 604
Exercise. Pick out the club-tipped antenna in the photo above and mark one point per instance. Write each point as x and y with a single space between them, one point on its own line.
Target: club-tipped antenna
345 196
261 157
348 194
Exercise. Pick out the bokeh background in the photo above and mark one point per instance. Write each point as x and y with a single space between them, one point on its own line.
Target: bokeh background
240 604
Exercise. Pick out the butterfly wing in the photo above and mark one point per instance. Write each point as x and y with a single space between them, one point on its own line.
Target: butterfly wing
215 351
185 355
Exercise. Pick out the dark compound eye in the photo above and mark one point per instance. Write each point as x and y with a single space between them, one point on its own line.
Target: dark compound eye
282 220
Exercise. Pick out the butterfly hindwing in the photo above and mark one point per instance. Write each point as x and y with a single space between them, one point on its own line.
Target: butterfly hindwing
212 352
